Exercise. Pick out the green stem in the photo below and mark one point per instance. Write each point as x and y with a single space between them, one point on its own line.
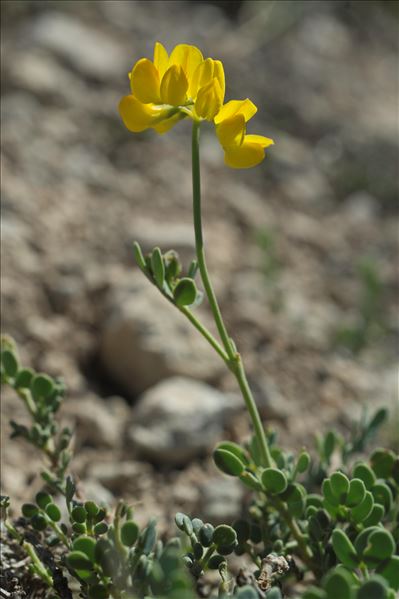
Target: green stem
199 243
364 570
12 531
39 567
242 380
25 395
117 532
233 360
304 551
207 555
205 333
59 532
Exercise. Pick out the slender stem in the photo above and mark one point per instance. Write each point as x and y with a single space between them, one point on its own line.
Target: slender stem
40 568
59 532
233 358
207 555
296 532
25 395
117 518
12 531
242 380
364 570
199 243
205 333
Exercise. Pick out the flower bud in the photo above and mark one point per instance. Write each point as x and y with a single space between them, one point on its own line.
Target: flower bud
174 86
209 100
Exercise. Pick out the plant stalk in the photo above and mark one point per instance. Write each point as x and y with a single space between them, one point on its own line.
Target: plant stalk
204 332
233 361
199 243
296 532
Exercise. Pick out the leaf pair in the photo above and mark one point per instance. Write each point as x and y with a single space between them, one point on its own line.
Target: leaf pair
163 270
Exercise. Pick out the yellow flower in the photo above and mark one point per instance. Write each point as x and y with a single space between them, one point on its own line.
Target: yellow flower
170 88
240 150
184 84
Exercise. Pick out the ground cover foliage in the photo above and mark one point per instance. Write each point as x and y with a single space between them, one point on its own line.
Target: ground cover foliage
336 528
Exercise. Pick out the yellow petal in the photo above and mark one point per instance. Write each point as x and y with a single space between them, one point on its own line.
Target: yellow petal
218 72
188 57
174 86
245 156
259 139
231 131
234 107
167 124
201 76
137 116
161 59
209 100
144 82
204 73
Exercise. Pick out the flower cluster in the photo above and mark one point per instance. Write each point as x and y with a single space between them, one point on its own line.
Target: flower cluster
184 84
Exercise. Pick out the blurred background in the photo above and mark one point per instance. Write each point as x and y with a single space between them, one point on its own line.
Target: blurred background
302 249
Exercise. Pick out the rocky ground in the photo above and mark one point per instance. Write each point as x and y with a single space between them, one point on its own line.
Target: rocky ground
285 240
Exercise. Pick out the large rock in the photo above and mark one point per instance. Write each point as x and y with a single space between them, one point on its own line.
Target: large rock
98 422
180 419
145 340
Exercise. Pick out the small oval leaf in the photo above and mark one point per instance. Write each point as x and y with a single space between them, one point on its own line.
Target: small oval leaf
303 462
185 292
24 378
53 512
382 462
138 256
390 571
374 588
380 546
228 462
364 472
382 494
158 267
9 362
363 510
274 481
85 545
41 386
339 584
205 535
356 493
129 533
77 560
344 549
224 535
339 485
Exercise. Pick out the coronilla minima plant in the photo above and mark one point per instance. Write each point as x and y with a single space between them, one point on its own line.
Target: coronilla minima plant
321 524
164 91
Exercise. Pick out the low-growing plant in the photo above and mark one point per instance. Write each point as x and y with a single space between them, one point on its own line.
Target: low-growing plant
330 531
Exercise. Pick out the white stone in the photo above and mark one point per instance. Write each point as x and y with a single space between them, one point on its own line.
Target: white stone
179 419
98 422
146 339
